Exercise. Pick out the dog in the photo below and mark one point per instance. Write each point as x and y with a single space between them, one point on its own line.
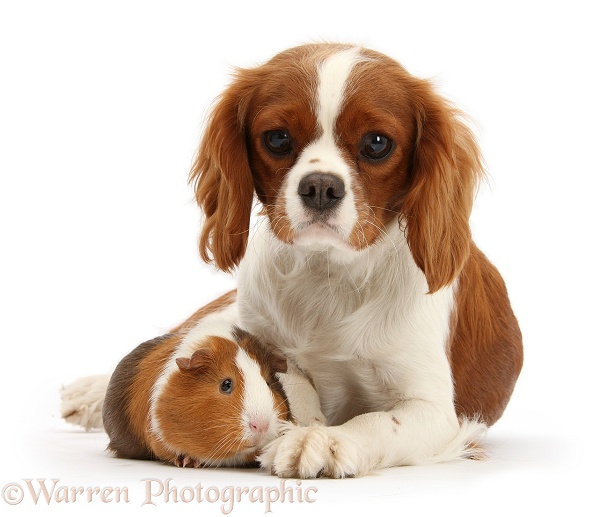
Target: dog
362 269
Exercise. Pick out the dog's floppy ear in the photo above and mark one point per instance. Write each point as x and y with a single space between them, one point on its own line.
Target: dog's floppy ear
221 176
446 167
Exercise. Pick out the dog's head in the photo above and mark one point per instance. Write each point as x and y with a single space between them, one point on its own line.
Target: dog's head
337 142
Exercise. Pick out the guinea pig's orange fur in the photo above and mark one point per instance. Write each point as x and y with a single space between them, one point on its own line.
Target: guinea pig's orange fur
187 395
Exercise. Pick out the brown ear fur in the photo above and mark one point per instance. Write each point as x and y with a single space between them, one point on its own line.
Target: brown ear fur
198 362
446 167
221 177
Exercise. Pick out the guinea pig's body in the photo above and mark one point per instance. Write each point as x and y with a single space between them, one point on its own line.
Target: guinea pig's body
207 397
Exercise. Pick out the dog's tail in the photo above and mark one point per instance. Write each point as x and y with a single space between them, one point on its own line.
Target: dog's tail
466 444
82 401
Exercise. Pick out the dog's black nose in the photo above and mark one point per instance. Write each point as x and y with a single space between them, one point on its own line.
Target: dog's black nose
321 191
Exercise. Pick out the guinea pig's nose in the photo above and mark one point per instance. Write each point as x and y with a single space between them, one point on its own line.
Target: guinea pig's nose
259 426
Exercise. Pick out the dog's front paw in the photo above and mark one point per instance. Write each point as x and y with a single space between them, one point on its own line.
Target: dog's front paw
309 452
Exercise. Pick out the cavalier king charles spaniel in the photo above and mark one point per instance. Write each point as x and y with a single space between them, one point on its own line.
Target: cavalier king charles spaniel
362 270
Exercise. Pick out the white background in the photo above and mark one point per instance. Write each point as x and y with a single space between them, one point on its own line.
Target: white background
101 109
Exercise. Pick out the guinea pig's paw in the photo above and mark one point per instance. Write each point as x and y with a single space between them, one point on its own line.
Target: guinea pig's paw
309 452
185 461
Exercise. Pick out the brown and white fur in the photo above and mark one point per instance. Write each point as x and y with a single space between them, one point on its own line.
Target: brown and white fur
205 394
363 270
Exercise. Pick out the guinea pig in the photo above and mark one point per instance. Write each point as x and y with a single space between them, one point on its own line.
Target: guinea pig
209 397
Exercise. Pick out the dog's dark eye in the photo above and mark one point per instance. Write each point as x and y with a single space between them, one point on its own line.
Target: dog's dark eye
376 146
226 386
278 142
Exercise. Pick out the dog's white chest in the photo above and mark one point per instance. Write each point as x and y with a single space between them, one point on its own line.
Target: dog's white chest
364 341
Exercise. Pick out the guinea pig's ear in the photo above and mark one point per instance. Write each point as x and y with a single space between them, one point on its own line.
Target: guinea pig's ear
277 363
445 168
221 176
197 363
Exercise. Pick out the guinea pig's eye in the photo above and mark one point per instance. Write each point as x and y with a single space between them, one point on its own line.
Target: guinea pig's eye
278 142
375 146
226 386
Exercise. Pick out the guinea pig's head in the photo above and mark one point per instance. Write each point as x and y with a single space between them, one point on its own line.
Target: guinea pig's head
224 401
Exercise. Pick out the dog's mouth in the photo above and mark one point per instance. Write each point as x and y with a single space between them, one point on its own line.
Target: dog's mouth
320 234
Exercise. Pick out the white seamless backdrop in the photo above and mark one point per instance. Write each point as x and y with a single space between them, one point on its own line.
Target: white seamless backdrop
101 109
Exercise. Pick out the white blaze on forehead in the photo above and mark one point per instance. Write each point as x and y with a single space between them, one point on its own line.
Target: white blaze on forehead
334 73
257 397
333 76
